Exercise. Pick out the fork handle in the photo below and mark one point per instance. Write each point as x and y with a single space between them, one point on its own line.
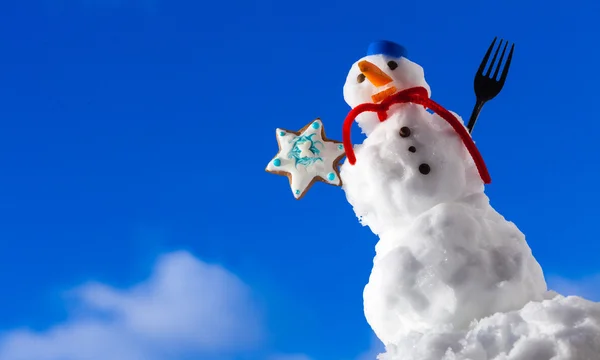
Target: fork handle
475 114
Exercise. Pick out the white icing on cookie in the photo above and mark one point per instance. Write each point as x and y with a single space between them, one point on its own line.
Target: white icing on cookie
307 156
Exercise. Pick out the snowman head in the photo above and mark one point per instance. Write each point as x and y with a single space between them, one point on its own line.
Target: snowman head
383 72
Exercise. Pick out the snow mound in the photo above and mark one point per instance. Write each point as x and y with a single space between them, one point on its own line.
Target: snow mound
562 328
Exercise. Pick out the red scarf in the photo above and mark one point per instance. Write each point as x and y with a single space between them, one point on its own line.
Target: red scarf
416 95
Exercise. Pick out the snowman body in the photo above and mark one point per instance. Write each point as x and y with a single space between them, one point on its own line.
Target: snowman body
445 257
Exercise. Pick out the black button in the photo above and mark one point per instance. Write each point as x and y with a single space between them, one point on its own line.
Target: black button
404 131
412 149
424 169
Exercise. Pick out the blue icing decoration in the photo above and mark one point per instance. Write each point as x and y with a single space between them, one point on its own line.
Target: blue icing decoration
281 133
315 125
308 143
341 147
277 162
297 192
331 176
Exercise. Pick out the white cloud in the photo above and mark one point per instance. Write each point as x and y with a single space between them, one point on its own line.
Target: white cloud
587 287
185 308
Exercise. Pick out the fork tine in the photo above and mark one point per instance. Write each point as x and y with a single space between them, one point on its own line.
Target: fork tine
500 61
493 63
486 57
507 65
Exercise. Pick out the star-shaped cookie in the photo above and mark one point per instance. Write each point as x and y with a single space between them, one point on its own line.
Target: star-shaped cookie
307 156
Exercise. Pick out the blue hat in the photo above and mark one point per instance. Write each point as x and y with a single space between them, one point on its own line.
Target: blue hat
387 48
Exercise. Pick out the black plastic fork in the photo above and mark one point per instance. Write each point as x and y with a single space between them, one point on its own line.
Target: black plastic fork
486 86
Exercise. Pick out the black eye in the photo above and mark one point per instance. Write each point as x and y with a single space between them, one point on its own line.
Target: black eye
392 65
361 77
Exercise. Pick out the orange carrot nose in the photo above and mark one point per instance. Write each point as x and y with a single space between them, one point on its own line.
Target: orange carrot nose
374 74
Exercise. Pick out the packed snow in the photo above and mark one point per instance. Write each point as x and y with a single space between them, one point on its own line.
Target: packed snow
452 279
563 328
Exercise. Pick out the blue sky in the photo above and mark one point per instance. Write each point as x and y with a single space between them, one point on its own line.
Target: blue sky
132 130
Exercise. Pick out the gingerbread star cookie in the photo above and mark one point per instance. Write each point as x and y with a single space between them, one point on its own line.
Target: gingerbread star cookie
307 156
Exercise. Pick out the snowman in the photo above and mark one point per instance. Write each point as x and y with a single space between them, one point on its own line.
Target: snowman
451 278
445 257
